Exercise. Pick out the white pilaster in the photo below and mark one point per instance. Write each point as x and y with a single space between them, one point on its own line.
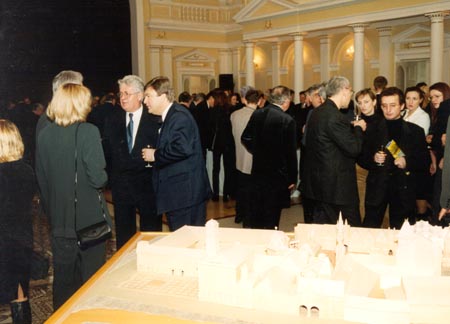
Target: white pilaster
385 53
275 64
298 64
325 58
236 67
166 62
358 56
225 61
437 45
138 49
249 67
155 61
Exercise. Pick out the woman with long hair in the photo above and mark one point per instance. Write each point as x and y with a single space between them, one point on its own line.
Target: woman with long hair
414 97
17 188
440 111
56 168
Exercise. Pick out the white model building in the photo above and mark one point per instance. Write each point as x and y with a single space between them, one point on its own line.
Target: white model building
262 269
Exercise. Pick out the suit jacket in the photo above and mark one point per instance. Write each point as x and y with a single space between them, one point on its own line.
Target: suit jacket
270 136
201 115
332 146
412 143
179 173
129 178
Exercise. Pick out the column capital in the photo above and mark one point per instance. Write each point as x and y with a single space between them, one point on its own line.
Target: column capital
249 43
324 39
359 27
437 17
276 45
384 31
298 36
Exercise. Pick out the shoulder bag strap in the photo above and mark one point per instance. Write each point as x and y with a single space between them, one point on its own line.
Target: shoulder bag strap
76 182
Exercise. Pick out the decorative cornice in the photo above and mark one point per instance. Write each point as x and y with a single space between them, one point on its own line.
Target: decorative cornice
193 44
193 27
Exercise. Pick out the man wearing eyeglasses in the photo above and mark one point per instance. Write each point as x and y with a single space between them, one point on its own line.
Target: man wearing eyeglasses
126 133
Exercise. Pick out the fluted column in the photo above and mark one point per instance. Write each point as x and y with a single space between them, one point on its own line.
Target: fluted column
275 64
358 56
236 67
385 52
325 58
437 45
166 63
298 63
225 61
155 61
249 67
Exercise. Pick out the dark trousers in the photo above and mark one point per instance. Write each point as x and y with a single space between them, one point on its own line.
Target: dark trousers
125 219
229 182
73 267
308 210
192 215
326 213
244 199
400 196
269 198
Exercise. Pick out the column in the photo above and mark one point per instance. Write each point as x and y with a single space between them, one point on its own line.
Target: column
155 61
298 64
236 67
358 56
166 63
385 53
138 42
249 67
437 45
325 58
225 61
276 64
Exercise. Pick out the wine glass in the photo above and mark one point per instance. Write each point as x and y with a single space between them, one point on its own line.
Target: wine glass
356 113
381 150
148 165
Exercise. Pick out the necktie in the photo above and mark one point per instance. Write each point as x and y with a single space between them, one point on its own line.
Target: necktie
130 133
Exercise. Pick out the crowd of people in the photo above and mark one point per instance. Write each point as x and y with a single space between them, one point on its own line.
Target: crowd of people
359 153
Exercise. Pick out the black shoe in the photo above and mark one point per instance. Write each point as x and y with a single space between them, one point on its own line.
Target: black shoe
225 198
21 312
238 219
215 198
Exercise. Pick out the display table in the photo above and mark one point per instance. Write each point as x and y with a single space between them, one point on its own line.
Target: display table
109 297
224 275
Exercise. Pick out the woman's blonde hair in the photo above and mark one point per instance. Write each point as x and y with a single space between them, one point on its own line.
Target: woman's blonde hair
71 103
11 144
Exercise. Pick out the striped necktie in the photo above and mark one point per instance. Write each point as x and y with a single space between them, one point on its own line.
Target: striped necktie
130 133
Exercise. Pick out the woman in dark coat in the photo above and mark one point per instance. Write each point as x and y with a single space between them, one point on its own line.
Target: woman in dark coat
17 188
55 170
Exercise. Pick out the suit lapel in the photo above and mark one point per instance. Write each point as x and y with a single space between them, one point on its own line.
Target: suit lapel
167 119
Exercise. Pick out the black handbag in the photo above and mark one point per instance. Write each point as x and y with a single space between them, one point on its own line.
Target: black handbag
96 233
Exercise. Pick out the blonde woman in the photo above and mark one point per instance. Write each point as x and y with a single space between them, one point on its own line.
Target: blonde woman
17 188
55 170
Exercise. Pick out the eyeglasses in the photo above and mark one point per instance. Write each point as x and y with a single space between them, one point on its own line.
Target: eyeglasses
126 94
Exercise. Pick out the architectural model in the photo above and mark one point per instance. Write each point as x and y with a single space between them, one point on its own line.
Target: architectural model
324 271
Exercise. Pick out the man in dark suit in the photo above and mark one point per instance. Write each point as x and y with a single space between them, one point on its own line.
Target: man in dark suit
179 173
126 133
100 113
270 136
392 176
332 146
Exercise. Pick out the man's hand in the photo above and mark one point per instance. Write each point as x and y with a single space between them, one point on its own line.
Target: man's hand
400 162
148 154
443 212
361 123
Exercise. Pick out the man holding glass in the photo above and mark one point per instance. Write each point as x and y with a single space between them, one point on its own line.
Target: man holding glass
126 133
